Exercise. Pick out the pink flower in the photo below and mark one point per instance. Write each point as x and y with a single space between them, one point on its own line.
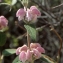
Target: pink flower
20 49
20 14
35 45
17 51
26 54
37 54
29 55
41 50
3 22
35 11
29 14
22 56
23 48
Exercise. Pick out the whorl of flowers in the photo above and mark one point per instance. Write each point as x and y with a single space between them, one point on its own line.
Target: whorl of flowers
29 15
28 54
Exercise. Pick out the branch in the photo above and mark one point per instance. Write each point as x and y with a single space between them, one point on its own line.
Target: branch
19 26
58 56
57 6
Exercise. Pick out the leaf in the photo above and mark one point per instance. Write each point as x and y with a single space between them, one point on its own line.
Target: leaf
14 2
6 7
2 38
31 30
47 59
8 52
7 1
16 60
10 2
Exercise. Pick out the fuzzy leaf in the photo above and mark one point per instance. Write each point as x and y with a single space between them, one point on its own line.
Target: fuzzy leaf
31 30
47 59
14 2
2 38
16 60
8 52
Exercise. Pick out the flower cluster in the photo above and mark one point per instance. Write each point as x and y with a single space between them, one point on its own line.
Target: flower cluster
29 15
29 53
3 22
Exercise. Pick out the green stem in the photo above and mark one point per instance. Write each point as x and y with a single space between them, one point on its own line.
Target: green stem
28 39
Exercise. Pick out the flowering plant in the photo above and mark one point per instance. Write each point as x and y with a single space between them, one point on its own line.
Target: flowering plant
31 50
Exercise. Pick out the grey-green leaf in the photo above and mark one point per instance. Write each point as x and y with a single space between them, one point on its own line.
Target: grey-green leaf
14 2
2 38
47 59
8 52
16 60
31 30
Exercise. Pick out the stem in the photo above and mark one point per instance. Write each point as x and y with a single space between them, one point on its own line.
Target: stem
1 58
28 39
19 25
57 6
59 51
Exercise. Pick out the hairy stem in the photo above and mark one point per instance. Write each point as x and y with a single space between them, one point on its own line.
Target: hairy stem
28 39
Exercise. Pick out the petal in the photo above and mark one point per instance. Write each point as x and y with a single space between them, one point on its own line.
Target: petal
22 56
35 10
20 13
41 50
3 21
17 51
35 45
20 18
29 15
29 55
24 48
37 54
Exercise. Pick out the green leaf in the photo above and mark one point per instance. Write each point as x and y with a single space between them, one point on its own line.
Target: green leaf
2 38
16 60
8 52
11 2
7 1
31 30
47 59
14 2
